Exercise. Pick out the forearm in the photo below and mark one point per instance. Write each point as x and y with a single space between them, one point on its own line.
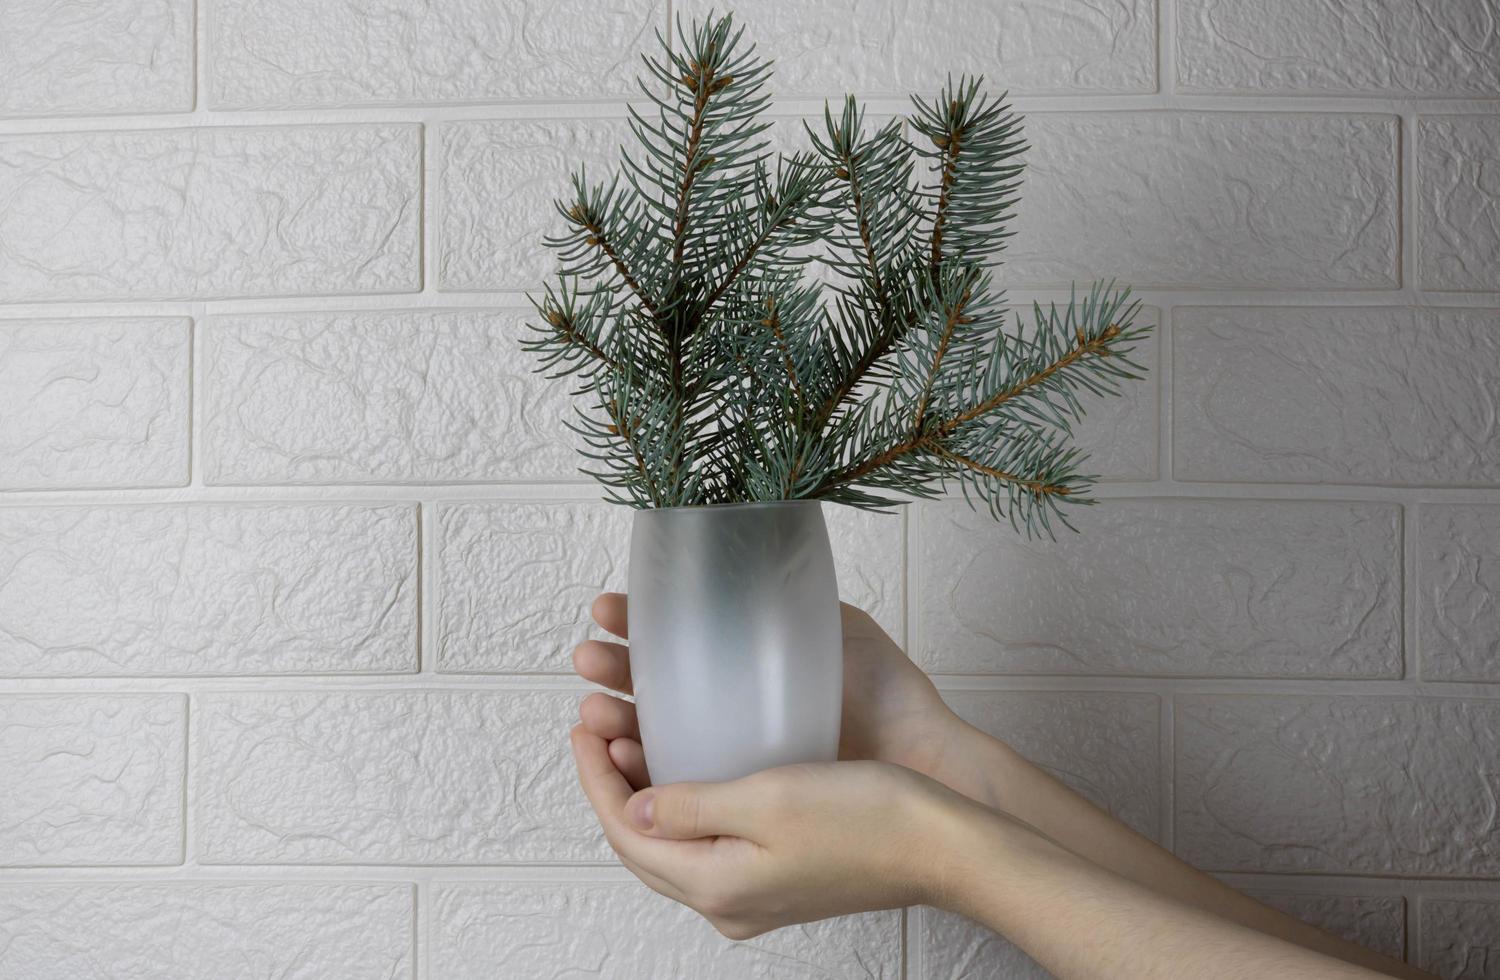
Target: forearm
994 774
1082 921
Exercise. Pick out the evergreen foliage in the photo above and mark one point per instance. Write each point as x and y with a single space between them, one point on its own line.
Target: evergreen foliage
722 365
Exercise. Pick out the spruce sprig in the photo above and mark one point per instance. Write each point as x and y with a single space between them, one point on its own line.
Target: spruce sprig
720 367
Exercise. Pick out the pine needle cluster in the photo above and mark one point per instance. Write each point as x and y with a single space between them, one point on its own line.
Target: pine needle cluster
753 326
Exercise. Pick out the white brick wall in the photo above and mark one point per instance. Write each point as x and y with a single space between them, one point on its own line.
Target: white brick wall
293 546
327 930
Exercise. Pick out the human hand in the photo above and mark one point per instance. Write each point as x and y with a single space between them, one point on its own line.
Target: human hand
778 847
891 712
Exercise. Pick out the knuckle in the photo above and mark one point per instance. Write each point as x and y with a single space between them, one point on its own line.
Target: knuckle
687 813
777 789
736 929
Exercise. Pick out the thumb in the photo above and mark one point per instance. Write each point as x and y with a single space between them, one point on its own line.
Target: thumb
684 811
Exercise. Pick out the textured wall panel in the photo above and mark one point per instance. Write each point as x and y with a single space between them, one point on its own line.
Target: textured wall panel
1209 199
1365 785
400 777
93 403
387 397
217 589
207 213
1460 938
197 931
91 779
1458 203
1458 597
1377 47
97 57
1230 588
1336 395
351 52
495 184
623 931
900 47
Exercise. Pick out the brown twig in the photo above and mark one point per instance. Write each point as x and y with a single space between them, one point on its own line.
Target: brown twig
930 440
599 240
951 146
1037 488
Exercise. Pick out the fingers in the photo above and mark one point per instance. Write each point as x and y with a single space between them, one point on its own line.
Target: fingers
602 783
607 791
605 664
630 759
609 718
656 883
609 612
685 811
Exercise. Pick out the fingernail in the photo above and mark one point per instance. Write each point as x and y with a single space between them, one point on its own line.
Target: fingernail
640 810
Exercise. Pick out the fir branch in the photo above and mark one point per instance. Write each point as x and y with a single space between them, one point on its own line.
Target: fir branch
1035 487
954 318
772 323
571 339
721 370
599 238
1086 347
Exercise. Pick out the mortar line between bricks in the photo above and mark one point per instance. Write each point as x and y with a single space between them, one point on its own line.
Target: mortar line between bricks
608 873
1167 735
1166 403
904 966
1410 599
911 551
1405 186
1406 272
190 784
1166 48
916 958
1318 884
584 492
599 873
189 763
501 299
424 651
1412 916
426 278
563 683
1410 594
426 585
199 57
197 411
543 872
606 107
421 929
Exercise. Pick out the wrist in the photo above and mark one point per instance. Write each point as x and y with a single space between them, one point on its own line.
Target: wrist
977 765
953 843
986 858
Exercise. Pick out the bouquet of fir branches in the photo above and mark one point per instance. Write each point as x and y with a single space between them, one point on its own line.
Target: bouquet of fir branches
751 326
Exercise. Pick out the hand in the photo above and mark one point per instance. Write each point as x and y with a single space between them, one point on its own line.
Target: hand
892 712
778 847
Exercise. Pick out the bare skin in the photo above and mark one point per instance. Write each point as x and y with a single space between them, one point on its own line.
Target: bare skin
928 810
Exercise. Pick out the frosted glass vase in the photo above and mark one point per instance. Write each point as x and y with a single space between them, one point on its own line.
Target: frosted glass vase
736 647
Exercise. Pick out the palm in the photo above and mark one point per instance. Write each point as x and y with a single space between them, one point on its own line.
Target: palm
892 712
